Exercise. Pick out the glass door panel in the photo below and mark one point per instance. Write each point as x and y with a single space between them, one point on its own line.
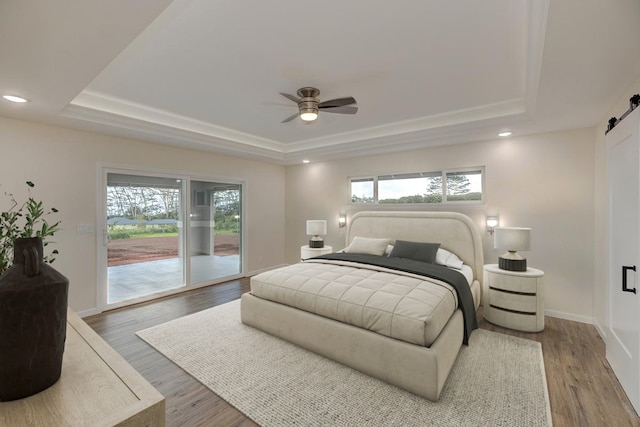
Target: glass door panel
214 232
145 248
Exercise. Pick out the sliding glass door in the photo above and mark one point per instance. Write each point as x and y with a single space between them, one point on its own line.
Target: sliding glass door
214 231
144 236
164 233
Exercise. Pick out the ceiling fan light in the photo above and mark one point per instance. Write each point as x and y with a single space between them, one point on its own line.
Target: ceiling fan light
309 115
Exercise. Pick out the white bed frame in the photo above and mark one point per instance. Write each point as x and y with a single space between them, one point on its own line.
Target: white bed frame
420 370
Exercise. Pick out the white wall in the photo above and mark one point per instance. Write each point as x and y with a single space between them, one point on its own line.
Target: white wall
543 181
63 164
600 296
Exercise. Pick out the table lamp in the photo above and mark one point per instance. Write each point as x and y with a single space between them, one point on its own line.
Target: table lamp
316 228
513 239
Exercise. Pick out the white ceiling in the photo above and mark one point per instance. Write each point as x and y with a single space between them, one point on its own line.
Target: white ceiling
207 74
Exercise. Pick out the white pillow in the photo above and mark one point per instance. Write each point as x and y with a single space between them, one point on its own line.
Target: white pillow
366 245
388 250
444 257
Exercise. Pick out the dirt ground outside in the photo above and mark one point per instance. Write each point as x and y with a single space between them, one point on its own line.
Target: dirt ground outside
131 251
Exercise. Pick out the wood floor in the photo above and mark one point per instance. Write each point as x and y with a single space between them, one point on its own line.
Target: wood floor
582 388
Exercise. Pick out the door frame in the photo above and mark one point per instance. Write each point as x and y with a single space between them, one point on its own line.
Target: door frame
102 237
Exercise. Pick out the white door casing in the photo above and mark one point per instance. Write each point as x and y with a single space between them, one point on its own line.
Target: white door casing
623 346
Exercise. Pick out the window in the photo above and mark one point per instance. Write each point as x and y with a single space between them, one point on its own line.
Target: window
362 190
464 186
422 187
449 186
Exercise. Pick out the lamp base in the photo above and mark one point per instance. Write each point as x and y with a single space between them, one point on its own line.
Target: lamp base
512 263
316 244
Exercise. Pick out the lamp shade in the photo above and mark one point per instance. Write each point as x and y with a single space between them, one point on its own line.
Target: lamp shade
316 227
512 239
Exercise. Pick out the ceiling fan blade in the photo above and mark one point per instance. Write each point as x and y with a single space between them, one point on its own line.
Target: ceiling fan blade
291 97
339 102
341 110
288 119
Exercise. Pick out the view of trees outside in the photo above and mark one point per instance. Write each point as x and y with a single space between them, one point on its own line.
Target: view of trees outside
146 218
362 190
142 202
462 186
155 210
431 187
131 211
459 187
227 211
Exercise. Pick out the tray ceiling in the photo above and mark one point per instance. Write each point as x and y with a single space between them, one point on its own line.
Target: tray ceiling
207 75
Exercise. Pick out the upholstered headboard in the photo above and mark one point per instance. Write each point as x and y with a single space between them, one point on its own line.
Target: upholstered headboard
454 231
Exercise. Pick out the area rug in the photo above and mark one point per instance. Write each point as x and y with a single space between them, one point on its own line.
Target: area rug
497 380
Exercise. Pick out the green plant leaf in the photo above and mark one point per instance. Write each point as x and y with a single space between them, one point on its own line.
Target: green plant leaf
24 220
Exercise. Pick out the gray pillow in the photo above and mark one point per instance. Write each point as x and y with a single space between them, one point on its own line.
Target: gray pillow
415 250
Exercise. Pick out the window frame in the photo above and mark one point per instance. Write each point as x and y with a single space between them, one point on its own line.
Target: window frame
443 173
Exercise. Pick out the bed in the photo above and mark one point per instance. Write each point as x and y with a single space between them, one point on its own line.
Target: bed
369 317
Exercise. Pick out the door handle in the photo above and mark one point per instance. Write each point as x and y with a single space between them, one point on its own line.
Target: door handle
624 278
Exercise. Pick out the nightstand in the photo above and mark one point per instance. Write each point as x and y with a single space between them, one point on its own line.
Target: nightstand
514 299
306 252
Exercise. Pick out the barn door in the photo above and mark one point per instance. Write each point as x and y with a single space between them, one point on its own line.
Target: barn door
623 346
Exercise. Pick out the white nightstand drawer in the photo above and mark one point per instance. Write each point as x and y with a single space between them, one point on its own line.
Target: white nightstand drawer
521 322
515 302
513 283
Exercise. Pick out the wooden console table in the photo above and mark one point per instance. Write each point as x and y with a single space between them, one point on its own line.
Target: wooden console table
97 388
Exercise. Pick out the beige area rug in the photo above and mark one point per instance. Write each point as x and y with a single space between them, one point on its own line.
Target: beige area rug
496 381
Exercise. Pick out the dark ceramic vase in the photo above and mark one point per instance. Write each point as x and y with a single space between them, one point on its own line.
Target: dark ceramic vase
33 322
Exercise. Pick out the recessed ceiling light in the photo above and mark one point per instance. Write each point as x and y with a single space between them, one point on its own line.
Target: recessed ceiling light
14 98
504 134
306 161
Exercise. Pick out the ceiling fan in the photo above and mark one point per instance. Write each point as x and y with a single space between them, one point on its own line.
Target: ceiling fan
309 105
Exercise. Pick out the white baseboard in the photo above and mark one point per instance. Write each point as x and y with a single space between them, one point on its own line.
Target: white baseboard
600 329
569 316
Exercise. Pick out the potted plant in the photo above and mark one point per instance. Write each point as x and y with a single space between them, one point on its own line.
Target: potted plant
33 301
24 221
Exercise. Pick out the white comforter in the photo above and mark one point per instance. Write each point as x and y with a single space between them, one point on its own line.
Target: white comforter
399 305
